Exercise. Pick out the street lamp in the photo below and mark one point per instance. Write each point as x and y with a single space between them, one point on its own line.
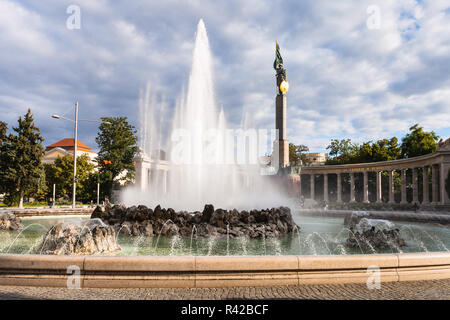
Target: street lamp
55 116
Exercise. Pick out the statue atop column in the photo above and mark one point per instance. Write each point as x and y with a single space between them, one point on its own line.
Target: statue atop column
282 84
280 156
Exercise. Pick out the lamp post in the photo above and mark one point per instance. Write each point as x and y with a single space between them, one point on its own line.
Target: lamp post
74 148
75 157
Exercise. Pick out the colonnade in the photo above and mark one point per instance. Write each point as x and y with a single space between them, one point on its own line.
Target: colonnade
437 173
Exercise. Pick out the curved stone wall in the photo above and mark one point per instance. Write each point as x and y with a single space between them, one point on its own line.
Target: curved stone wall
434 166
176 272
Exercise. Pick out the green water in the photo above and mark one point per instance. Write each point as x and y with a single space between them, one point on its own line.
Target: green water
317 236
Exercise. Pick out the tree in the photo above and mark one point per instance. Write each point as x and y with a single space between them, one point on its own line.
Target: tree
61 174
40 191
382 150
3 128
21 159
418 142
342 151
117 141
296 153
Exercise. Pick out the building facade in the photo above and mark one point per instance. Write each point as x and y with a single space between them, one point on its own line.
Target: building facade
316 158
64 148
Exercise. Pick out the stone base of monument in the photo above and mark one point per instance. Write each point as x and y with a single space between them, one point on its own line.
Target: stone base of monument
211 222
374 234
9 221
84 238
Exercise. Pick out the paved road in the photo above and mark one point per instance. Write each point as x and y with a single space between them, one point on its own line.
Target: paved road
439 289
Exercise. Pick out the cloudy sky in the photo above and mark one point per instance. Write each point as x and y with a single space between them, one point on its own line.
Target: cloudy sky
349 76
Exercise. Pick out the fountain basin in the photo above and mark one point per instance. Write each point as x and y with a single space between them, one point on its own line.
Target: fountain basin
317 236
177 272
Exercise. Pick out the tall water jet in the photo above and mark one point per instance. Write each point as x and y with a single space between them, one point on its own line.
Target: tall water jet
203 164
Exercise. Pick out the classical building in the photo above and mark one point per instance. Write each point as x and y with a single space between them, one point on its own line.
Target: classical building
65 147
146 168
432 168
316 158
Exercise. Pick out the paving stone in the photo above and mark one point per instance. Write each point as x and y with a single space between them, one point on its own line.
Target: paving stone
423 290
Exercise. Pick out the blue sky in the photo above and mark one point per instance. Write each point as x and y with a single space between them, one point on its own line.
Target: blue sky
346 80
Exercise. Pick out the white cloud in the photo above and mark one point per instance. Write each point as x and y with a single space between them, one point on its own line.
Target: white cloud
345 80
22 29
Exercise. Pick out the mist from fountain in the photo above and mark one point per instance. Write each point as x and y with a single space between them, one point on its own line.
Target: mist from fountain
204 166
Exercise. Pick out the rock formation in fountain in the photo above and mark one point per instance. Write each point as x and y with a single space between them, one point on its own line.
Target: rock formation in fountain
352 219
8 221
375 234
87 238
218 223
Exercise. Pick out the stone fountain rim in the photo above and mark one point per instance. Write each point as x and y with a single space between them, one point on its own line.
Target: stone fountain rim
219 271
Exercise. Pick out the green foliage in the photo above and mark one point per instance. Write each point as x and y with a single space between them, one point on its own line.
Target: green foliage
382 150
39 192
89 190
61 174
341 147
3 128
21 156
117 141
418 142
297 153
341 151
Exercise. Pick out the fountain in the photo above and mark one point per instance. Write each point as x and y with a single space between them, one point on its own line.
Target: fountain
79 238
9 221
254 236
143 221
203 162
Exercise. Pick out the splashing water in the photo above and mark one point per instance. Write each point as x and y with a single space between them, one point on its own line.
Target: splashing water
210 245
175 242
243 240
201 151
194 228
275 243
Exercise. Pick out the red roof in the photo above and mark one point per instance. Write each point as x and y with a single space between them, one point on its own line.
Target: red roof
68 144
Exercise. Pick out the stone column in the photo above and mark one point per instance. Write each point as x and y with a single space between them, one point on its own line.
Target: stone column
415 186
311 185
444 169
426 186
300 187
391 187
280 125
339 188
434 184
352 187
141 175
379 195
403 201
325 187
365 187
